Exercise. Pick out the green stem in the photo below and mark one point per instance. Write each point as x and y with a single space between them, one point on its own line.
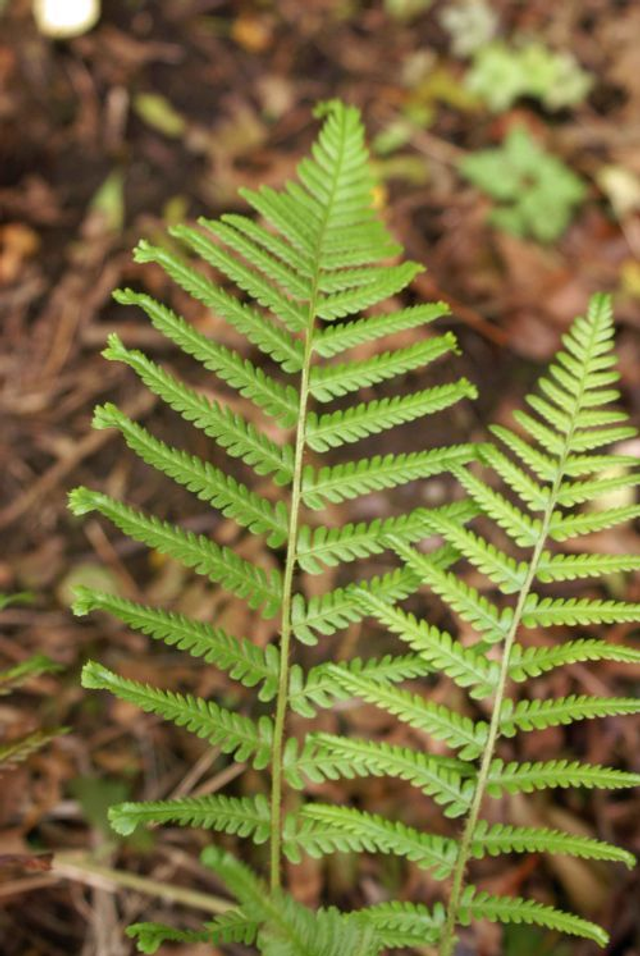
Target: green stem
286 629
458 880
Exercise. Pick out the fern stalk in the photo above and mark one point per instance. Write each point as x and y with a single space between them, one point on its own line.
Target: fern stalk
448 938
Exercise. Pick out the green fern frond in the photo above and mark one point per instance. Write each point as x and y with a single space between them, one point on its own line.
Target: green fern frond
526 777
466 601
239 657
570 567
342 427
318 688
322 829
504 571
400 924
505 909
493 840
338 483
524 530
529 662
562 527
329 757
210 484
333 381
335 339
463 665
540 714
437 720
245 816
577 492
549 612
235 734
222 565
319 548
239 438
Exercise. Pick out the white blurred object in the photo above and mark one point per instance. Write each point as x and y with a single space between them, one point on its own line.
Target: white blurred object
63 19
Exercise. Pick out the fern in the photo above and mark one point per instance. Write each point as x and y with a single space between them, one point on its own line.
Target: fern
556 444
303 286
16 750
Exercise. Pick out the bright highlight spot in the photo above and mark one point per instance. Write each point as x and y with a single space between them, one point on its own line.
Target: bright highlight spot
62 19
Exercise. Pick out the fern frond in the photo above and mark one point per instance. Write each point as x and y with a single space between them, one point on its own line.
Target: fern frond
233 733
505 909
529 662
577 492
335 339
524 530
536 496
322 829
496 839
548 612
526 777
210 484
540 714
319 548
401 924
352 479
328 613
279 401
318 688
333 381
342 427
540 464
438 721
248 817
563 527
504 571
220 565
327 756
463 665
239 657
569 567
269 337
239 438
466 601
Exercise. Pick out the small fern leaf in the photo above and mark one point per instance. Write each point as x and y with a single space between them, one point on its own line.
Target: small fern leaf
318 687
466 601
464 666
16 751
269 337
562 527
384 283
352 479
570 567
319 548
503 570
233 733
540 464
335 339
342 427
333 381
279 401
335 610
493 840
529 662
536 496
434 719
524 530
477 905
220 565
239 657
577 492
150 937
324 829
15 677
540 714
401 924
248 817
549 612
238 437
527 777
210 484
330 757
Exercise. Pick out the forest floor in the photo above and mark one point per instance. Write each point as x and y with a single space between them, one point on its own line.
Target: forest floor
159 114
